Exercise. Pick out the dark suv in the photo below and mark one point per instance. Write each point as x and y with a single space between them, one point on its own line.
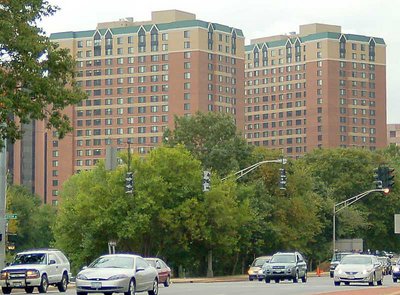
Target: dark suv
286 266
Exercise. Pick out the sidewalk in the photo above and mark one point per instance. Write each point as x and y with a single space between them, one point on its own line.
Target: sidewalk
236 278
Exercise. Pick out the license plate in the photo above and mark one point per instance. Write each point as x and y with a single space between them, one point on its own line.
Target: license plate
350 277
17 284
96 285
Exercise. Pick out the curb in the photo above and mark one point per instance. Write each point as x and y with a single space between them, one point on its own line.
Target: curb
240 278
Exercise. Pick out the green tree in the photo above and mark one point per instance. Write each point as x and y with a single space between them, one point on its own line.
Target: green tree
33 226
213 139
36 76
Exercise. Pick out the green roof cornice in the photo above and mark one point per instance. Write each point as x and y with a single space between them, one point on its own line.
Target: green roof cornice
134 29
317 36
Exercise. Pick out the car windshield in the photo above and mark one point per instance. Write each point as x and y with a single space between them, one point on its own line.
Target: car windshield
151 262
286 258
356 260
31 258
113 262
259 262
338 256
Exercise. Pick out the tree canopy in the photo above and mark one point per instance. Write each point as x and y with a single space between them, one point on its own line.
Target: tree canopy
212 138
36 76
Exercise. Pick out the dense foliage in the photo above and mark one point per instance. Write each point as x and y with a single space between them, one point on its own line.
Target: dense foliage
33 226
169 216
34 71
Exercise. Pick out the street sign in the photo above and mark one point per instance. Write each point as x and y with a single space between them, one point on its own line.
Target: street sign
397 223
11 216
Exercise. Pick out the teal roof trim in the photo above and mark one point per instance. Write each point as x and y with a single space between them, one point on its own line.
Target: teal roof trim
125 30
317 36
68 35
135 29
379 41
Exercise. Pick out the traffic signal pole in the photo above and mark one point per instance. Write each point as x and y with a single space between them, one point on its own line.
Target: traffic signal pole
346 203
244 171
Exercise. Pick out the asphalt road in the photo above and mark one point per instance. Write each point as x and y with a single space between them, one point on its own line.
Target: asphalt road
315 285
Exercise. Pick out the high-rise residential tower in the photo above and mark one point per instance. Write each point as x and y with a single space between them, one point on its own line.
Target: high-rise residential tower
319 88
138 76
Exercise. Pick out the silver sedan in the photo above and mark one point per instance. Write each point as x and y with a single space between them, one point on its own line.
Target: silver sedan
359 269
117 273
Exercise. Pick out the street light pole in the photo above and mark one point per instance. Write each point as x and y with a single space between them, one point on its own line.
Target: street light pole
129 155
3 187
346 203
244 171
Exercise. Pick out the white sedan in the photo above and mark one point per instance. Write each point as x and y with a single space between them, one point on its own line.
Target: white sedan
117 273
359 269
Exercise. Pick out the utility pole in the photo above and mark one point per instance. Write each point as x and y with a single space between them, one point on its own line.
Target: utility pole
3 184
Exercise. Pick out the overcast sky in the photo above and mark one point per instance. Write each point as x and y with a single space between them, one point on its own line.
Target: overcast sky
257 18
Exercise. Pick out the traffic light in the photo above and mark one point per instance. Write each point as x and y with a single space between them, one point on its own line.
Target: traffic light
282 179
206 181
390 178
129 183
379 177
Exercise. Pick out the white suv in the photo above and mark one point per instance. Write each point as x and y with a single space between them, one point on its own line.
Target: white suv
36 268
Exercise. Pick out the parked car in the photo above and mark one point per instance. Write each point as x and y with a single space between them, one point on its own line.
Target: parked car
36 268
359 268
256 266
285 266
117 273
396 271
386 265
337 256
164 272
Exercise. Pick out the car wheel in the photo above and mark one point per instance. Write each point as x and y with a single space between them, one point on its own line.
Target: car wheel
372 283
29 290
6 290
347 283
107 293
250 279
336 283
304 278
394 280
267 280
154 291
167 282
44 284
331 275
131 288
277 281
62 286
260 279
380 282
296 277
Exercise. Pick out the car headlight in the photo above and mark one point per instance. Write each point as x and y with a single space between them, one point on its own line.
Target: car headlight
366 271
81 277
4 275
117 277
261 271
32 274
395 268
339 271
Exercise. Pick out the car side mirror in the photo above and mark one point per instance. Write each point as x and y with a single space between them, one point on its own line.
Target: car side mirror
8 264
158 267
52 261
85 267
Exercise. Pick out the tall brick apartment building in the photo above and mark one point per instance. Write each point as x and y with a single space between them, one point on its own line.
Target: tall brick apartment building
318 88
137 75
296 92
